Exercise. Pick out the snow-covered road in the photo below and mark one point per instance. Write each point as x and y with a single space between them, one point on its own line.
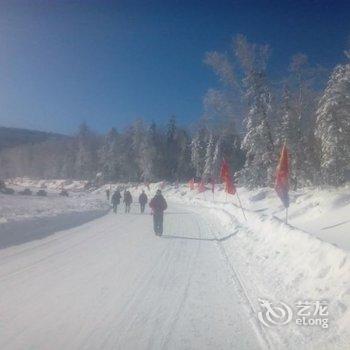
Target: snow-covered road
112 284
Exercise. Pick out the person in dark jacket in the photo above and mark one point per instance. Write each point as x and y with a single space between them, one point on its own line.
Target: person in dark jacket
116 200
127 201
158 205
143 200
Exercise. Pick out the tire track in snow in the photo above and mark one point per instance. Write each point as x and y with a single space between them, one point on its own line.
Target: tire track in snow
185 293
169 261
240 289
136 295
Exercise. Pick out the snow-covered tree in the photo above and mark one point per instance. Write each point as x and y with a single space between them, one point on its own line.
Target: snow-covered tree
156 139
223 68
109 156
148 154
184 165
198 149
86 158
258 141
171 149
217 159
196 155
209 158
333 126
288 130
133 157
302 104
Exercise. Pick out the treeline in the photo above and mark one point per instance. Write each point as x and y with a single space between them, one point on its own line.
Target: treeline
139 153
142 152
246 120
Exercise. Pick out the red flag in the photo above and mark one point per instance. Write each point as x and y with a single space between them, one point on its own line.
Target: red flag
201 187
225 175
191 184
282 177
229 186
224 171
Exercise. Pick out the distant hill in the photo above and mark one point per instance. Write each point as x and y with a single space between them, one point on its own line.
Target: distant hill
10 137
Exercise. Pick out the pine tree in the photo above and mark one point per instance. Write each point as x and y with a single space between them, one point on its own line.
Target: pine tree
148 155
230 146
198 148
209 159
171 149
302 104
86 159
138 136
217 159
333 126
258 141
184 165
109 158
289 131
67 170
158 159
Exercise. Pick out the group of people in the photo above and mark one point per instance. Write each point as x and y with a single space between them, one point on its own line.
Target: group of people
158 205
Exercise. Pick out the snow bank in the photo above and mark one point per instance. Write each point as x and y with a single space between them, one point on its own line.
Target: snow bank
280 262
323 213
56 185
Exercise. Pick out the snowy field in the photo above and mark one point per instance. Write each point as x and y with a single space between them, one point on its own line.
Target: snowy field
197 287
24 218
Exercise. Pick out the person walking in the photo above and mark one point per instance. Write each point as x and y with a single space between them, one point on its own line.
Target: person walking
143 201
116 200
158 205
127 201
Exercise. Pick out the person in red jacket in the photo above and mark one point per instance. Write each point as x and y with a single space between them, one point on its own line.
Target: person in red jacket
158 205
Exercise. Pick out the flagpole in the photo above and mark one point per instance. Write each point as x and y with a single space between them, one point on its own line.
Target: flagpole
286 215
240 203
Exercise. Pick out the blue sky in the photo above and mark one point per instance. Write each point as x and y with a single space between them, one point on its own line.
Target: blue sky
110 62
